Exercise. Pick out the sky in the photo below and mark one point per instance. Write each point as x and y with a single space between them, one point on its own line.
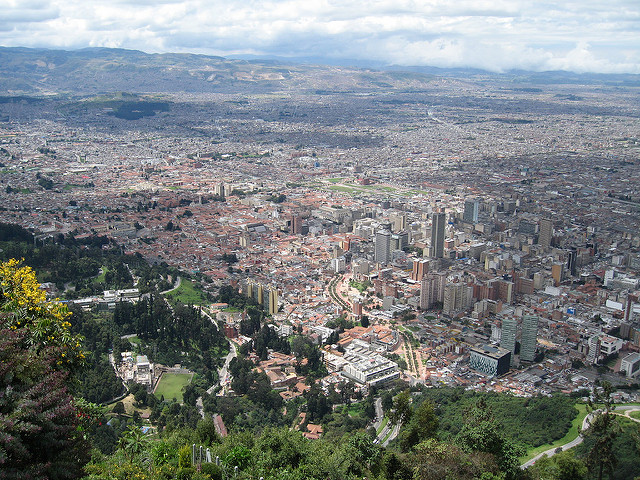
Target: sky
497 35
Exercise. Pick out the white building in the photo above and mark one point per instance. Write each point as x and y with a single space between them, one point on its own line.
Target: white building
631 365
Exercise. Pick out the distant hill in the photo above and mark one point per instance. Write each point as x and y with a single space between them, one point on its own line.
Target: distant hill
26 71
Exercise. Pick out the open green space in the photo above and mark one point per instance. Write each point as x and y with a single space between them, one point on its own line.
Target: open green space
187 294
171 385
101 278
576 424
340 188
635 414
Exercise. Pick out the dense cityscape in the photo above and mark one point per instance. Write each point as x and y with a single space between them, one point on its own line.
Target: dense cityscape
442 231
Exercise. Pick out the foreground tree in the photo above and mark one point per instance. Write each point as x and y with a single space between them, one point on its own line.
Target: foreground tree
40 424
602 431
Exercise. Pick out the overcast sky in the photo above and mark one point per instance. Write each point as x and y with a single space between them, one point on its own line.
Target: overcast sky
497 35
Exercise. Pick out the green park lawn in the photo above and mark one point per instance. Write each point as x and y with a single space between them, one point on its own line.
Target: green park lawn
571 435
171 385
186 294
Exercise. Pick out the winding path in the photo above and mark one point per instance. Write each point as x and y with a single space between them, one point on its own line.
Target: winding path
578 440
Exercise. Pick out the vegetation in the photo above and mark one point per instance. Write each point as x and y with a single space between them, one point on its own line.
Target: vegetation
39 419
171 385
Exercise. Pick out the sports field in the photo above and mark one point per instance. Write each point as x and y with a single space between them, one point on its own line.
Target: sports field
171 384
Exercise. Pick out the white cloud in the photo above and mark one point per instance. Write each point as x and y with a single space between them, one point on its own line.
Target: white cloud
589 35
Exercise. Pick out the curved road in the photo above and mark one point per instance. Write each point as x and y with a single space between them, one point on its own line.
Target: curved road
578 440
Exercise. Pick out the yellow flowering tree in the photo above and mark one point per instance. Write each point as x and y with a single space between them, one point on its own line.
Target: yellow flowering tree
24 307
40 422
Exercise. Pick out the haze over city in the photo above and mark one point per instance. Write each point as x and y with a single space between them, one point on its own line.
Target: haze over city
586 36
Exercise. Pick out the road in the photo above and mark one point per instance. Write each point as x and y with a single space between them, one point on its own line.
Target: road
389 427
223 373
578 440
175 286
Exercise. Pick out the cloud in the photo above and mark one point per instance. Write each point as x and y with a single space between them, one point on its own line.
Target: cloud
584 36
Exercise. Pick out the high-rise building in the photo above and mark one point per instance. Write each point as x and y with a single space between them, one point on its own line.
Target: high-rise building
437 235
432 289
471 208
546 232
383 247
456 297
273 301
509 333
557 273
529 337
420 269
296 224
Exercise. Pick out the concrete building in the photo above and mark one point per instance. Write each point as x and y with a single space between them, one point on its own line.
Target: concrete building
456 298
437 235
383 247
492 361
529 337
432 289
368 368
546 232
631 365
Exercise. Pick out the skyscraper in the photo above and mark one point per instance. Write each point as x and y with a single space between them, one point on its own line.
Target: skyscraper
471 208
383 247
437 235
546 232
529 337
509 332
273 301
420 269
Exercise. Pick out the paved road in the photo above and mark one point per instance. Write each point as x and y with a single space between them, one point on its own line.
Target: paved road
578 440
175 286
223 373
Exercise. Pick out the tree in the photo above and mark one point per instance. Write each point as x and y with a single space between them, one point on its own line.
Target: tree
40 422
401 412
602 431
481 433
423 425
118 408
133 442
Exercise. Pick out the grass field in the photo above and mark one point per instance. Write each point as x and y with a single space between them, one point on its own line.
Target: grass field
187 294
171 384
635 415
100 278
571 434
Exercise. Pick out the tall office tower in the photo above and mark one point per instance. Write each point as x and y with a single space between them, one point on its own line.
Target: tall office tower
572 261
383 247
471 208
529 337
546 232
273 301
509 332
437 235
